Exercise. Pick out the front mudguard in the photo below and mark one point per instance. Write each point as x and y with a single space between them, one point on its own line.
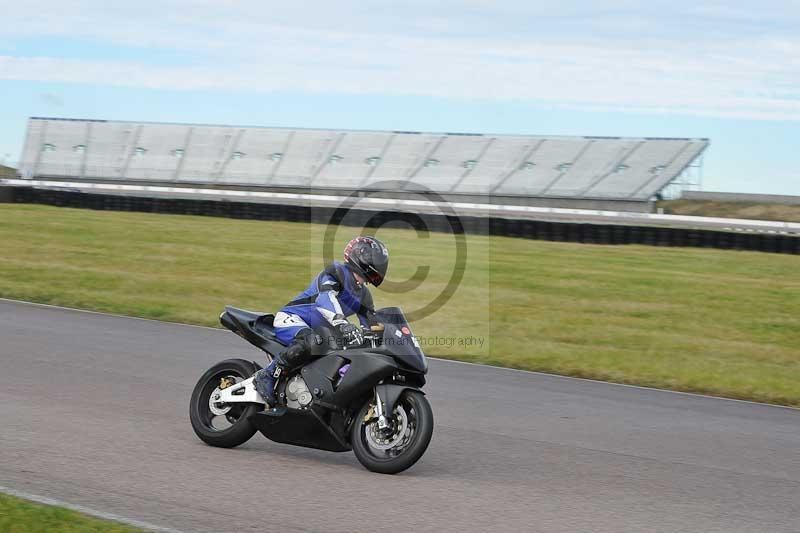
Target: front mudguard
389 393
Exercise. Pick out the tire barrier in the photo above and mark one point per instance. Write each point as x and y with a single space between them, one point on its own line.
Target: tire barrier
527 229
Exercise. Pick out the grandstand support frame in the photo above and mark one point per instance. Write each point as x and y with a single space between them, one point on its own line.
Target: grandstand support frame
130 148
228 151
527 152
611 169
389 140
468 170
287 145
578 156
690 179
421 161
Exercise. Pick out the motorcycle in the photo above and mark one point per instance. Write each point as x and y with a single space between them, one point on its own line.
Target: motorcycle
366 398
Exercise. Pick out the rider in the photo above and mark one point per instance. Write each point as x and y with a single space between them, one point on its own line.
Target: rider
337 292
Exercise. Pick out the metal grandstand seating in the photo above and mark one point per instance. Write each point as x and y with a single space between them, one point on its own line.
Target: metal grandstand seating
456 164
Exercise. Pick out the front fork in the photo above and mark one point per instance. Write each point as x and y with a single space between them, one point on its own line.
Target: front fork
386 396
382 422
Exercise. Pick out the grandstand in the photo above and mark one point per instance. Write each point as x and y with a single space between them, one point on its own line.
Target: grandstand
582 172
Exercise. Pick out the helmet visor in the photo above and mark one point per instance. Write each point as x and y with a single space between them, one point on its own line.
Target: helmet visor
373 276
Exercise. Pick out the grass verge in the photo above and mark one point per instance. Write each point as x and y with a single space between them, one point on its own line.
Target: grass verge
22 516
710 321
746 210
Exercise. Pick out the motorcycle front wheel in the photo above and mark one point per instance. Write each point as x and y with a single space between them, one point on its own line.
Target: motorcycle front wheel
402 444
221 425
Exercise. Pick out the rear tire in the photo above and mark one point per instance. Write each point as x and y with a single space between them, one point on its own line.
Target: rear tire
203 419
411 443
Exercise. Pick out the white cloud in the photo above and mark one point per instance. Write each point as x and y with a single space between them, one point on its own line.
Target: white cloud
730 60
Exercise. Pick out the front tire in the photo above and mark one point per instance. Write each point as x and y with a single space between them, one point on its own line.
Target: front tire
412 429
223 426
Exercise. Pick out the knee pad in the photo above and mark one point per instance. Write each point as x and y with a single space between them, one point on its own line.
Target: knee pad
295 355
307 345
313 342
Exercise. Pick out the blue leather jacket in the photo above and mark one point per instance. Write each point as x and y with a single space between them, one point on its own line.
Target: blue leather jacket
331 297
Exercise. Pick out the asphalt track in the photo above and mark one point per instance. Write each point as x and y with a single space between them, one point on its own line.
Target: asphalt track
93 411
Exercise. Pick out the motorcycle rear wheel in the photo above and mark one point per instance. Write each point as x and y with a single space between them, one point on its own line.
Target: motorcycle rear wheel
223 426
412 429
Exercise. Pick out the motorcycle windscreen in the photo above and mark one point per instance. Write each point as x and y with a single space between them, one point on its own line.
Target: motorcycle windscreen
399 340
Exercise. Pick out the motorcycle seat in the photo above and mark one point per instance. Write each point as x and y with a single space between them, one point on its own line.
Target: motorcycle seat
260 323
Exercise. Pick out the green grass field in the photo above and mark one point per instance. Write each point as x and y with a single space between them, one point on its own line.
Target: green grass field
21 516
747 210
712 321
7 172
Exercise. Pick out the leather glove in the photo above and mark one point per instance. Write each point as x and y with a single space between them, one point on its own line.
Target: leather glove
351 334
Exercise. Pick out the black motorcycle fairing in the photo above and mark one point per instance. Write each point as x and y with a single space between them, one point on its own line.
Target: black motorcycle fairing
243 315
301 427
335 399
399 341
329 366
366 370
255 328
325 424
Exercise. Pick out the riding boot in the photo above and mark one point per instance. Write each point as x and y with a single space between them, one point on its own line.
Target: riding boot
266 379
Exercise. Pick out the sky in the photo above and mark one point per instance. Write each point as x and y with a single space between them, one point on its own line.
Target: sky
729 71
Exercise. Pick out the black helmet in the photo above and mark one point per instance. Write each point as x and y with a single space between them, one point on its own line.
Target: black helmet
368 257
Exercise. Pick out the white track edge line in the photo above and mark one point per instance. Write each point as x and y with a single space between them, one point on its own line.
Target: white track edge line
454 361
44 500
102 313
627 385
